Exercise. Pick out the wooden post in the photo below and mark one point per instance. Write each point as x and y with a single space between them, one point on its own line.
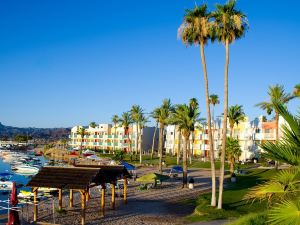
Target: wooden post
35 206
103 198
87 195
125 190
71 198
83 197
60 199
113 204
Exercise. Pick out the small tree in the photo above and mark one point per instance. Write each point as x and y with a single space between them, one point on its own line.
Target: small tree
233 152
81 131
93 124
235 115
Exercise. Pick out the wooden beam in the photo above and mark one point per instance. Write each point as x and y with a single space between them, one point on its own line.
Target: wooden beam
60 199
103 199
125 190
35 206
113 188
83 199
71 198
87 195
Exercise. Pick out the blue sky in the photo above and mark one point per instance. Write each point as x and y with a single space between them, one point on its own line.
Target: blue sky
64 63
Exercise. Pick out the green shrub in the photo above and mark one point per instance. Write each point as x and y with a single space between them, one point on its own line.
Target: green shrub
61 211
251 219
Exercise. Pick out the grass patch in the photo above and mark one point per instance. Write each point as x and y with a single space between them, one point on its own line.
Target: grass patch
251 219
233 204
61 211
169 160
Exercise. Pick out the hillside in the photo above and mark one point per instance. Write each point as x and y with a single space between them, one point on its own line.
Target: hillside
40 133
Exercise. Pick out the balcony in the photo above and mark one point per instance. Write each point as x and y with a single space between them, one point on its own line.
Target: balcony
269 136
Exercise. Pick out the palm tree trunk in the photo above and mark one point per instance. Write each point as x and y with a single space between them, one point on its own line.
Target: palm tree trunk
173 147
212 154
231 131
114 146
178 147
221 178
160 148
213 125
189 151
192 150
137 140
129 140
153 141
140 146
184 163
232 165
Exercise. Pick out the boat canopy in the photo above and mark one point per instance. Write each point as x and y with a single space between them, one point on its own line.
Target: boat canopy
177 169
127 165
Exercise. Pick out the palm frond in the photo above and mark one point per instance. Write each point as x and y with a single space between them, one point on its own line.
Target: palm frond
286 212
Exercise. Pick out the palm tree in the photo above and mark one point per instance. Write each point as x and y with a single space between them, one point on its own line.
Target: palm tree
136 112
233 152
155 116
81 131
115 120
196 29
185 118
193 104
125 122
277 96
296 91
229 24
284 188
235 115
93 124
141 122
213 100
164 114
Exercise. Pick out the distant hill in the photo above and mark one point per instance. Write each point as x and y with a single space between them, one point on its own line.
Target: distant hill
36 133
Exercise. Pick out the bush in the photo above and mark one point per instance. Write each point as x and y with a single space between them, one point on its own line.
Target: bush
119 156
61 211
251 219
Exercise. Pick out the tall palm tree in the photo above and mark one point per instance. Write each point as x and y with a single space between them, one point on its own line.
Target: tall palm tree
235 115
185 118
141 122
193 104
164 114
155 116
229 24
115 120
196 29
296 91
136 112
125 122
277 96
81 131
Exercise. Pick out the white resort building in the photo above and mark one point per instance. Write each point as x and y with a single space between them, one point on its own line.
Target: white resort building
108 138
